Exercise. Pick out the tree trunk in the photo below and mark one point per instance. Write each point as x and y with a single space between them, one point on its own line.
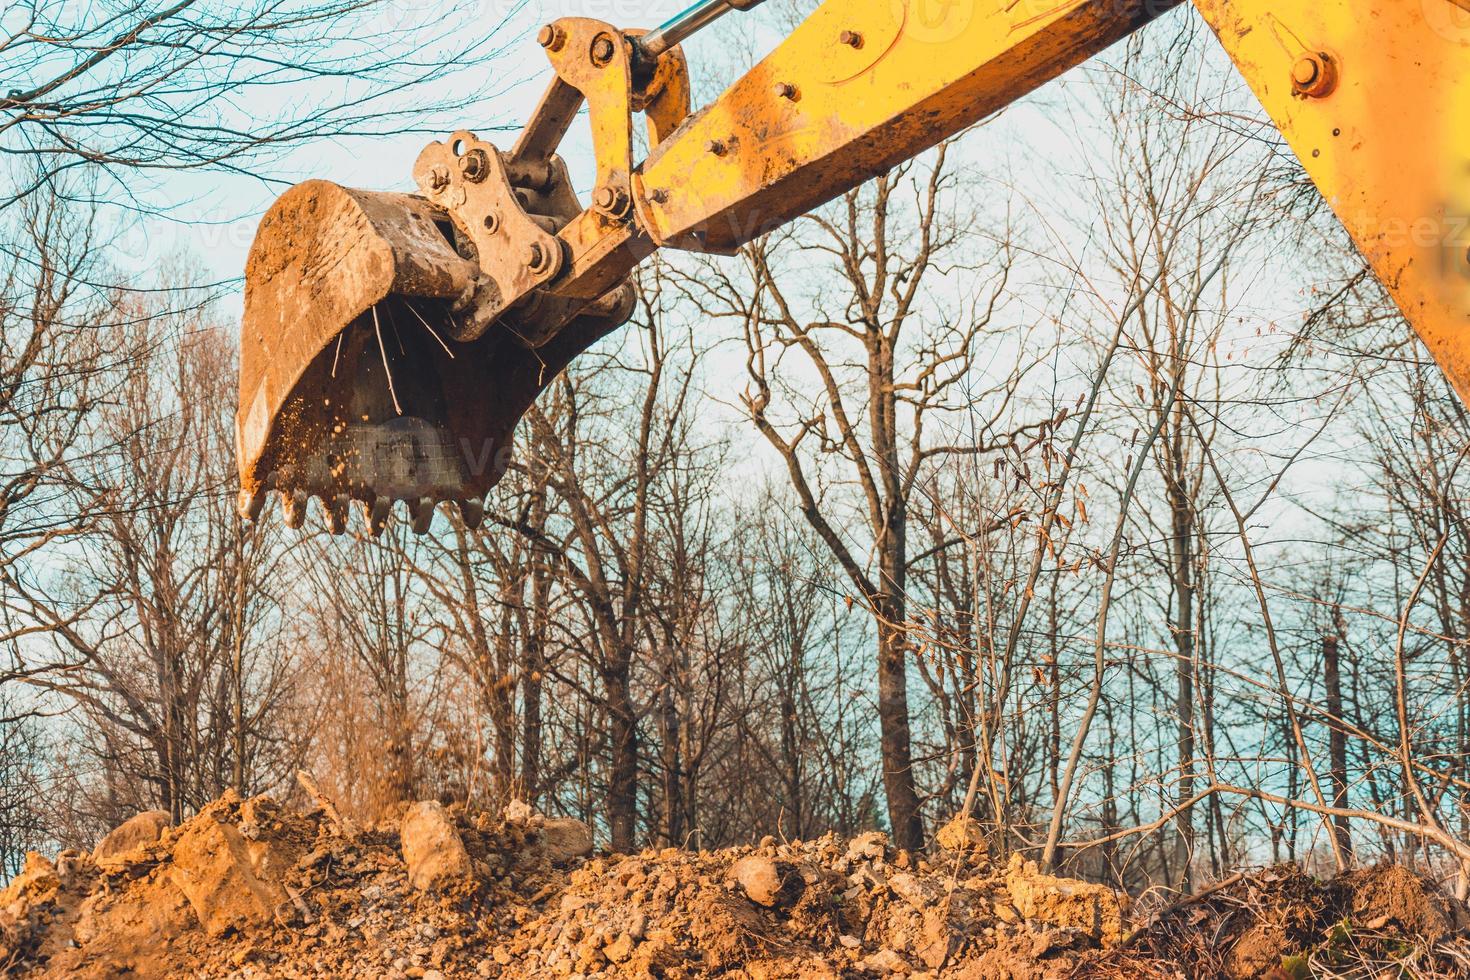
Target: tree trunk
1337 744
669 733
893 721
533 670
1182 515
622 790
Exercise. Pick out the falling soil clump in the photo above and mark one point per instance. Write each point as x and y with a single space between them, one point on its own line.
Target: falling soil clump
252 889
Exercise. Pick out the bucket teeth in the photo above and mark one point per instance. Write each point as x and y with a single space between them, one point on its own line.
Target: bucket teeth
251 504
294 504
472 512
422 512
378 511
337 513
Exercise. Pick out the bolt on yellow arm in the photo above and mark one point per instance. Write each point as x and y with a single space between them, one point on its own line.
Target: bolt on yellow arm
1375 100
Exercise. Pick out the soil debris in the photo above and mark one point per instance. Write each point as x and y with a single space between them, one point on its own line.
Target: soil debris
1281 923
249 889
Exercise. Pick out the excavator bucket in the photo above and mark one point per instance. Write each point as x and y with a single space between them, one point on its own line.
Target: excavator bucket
352 384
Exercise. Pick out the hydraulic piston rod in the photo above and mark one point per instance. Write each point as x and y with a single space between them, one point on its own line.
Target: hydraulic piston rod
685 25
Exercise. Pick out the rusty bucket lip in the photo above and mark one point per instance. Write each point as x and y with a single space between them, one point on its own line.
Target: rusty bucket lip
323 259
362 247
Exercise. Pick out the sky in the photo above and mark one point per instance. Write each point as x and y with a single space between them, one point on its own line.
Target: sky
211 217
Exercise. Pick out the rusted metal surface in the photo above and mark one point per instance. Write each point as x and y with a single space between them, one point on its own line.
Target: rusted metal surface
353 389
467 178
665 99
323 256
603 244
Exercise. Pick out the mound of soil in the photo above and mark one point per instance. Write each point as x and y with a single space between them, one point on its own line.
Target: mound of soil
1283 924
249 888
252 889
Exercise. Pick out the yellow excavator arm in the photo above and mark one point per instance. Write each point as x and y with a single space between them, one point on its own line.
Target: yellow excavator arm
391 342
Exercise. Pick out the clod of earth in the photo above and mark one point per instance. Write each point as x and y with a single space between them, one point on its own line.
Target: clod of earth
433 851
142 830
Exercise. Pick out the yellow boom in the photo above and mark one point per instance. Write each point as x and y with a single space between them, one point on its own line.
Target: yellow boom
391 342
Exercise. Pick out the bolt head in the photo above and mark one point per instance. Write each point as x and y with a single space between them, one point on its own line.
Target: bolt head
603 50
492 222
1306 71
551 37
716 147
439 177
475 166
785 90
850 38
611 201
535 256
1314 75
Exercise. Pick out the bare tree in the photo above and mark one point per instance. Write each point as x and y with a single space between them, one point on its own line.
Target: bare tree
171 667
131 88
606 473
852 369
23 807
374 621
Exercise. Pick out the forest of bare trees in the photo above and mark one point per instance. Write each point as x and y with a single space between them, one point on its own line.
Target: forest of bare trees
1106 498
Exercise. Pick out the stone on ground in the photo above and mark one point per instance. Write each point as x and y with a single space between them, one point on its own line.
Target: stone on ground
132 835
961 834
564 839
767 882
231 882
1064 903
433 851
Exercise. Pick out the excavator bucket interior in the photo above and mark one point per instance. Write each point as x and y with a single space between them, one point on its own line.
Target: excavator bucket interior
353 386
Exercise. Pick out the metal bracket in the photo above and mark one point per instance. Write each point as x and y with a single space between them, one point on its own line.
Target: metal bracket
516 251
543 256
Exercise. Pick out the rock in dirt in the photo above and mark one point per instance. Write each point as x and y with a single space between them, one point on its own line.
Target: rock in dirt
132 835
36 883
766 882
1061 902
872 846
564 839
961 834
518 812
920 893
885 962
231 882
23 903
433 851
